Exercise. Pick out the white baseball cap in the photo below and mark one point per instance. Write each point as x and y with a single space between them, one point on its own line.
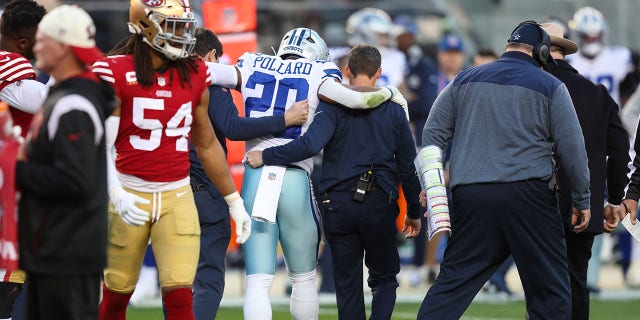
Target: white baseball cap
71 25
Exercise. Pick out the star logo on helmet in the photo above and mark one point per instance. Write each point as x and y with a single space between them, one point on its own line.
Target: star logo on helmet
516 36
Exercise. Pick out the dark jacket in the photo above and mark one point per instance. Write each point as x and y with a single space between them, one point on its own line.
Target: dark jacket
63 210
606 142
352 141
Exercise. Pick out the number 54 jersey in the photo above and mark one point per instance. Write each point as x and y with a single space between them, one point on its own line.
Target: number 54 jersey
152 142
270 85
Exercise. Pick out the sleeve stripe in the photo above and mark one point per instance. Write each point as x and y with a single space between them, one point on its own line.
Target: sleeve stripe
15 62
101 64
102 70
15 75
107 78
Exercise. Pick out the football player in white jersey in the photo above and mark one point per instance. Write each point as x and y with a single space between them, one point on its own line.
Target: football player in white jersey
373 27
597 61
280 198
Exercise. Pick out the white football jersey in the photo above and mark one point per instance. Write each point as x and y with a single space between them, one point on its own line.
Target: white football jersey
271 85
608 68
393 64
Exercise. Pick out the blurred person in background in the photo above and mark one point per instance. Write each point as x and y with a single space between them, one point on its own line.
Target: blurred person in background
374 27
607 145
421 90
24 95
451 59
484 55
62 174
607 65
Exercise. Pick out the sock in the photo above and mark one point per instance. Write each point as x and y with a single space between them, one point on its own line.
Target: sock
179 304
304 297
257 305
113 305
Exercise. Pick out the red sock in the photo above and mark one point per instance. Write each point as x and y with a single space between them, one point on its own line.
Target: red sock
179 304
113 305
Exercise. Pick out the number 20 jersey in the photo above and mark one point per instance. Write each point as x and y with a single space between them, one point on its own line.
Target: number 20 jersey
152 142
270 85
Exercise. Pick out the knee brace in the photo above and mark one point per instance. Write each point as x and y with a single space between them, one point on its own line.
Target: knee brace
257 305
304 297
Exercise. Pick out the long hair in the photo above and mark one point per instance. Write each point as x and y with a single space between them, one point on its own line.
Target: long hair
145 73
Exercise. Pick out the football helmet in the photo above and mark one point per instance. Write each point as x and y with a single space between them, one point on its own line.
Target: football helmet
304 43
168 26
590 27
365 25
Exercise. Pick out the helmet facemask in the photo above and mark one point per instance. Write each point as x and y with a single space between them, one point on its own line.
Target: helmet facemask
172 34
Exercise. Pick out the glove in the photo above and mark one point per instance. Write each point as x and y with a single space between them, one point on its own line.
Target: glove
397 97
125 204
240 216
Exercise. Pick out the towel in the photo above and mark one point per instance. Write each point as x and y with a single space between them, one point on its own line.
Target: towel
265 205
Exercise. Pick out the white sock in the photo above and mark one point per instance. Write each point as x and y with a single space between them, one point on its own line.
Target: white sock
304 297
257 305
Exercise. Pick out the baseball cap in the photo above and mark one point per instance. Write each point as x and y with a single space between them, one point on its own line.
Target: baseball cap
74 27
556 33
528 33
451 42
405 24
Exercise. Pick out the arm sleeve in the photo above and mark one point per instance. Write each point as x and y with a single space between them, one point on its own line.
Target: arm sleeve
405 155
223 75
338 93
225 117
26 95
567 135
315 138
74 166
617 152
438 130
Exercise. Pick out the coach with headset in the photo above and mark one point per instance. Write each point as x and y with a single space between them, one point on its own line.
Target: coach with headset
506 116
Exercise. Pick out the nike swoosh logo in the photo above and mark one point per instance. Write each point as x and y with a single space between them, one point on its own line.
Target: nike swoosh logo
180 194
317 113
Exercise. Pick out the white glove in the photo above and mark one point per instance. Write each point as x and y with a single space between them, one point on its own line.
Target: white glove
240 216
398 98
125 204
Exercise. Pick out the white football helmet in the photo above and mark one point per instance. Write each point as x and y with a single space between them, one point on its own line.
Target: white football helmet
365 25
305 43
590 27
168 26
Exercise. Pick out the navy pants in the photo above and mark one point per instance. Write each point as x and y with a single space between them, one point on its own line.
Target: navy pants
208 285
366 229
490 222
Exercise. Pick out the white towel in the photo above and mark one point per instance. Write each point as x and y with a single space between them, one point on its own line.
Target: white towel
265 205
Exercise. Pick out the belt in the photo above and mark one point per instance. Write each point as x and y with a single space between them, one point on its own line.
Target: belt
372 187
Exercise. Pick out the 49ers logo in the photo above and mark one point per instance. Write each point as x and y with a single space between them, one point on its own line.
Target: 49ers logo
153 3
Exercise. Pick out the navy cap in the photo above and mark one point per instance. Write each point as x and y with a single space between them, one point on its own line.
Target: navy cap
527 33
451 42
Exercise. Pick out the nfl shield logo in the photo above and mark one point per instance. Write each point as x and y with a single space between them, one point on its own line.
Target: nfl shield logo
272 176
162 81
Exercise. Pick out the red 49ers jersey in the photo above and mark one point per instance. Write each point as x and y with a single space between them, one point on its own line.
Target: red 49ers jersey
152 142
14 68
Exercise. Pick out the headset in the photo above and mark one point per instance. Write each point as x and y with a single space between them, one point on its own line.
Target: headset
541 50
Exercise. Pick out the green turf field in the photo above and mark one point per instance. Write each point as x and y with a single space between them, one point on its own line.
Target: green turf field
600 310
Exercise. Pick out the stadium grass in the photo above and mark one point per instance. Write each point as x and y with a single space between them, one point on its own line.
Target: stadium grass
600 310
